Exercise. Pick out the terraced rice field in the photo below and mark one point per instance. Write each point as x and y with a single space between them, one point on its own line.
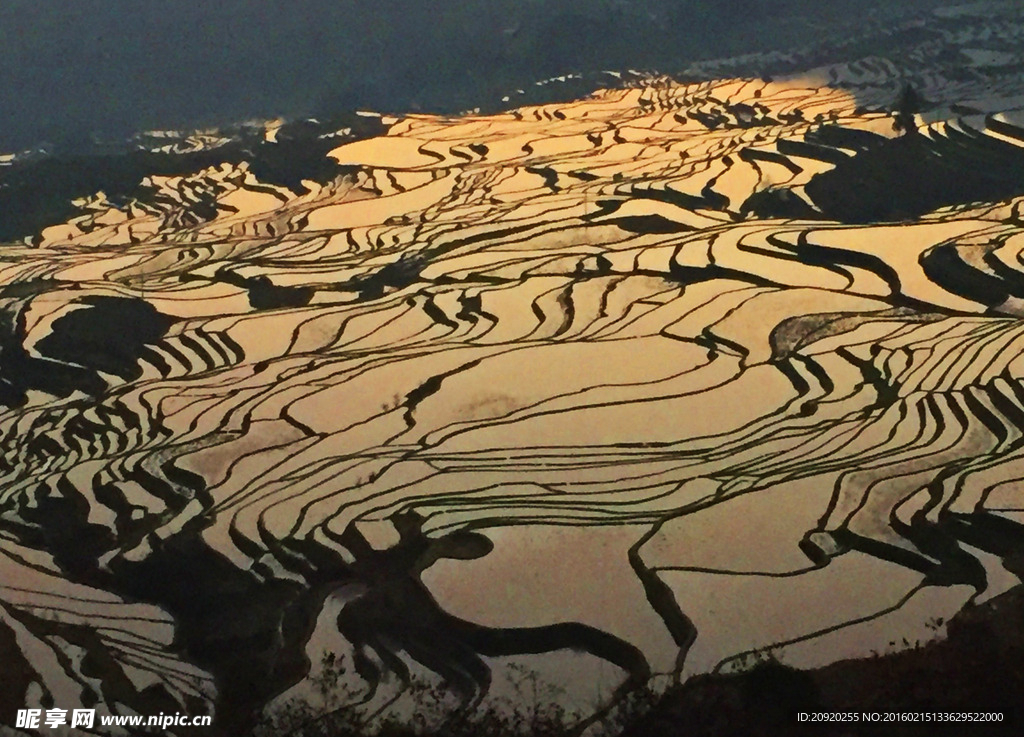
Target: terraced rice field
649 384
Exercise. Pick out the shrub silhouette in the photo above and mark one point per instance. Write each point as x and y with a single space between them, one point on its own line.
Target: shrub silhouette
910 103
533 711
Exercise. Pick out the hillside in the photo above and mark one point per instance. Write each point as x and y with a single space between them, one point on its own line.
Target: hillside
661 381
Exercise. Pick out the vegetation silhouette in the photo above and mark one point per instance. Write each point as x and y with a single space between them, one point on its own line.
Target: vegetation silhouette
975 668
910 103
535 709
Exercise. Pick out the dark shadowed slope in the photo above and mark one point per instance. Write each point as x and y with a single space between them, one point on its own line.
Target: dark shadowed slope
554 390
72 72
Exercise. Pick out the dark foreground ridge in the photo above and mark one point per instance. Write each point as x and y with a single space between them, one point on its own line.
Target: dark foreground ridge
975 670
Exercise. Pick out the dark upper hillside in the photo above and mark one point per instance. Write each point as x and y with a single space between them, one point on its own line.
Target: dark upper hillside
76 71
